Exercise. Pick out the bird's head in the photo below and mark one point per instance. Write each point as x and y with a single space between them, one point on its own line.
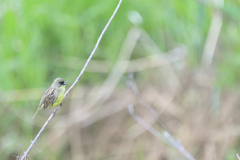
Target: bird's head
58 82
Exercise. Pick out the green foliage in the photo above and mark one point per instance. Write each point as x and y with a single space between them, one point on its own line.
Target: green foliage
33 35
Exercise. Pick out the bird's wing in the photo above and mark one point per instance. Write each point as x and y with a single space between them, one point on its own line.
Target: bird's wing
47 99
50 98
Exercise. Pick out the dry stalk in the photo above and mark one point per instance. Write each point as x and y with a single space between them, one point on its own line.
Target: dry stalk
165 137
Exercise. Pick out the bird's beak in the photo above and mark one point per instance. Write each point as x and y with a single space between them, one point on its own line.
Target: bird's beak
65 82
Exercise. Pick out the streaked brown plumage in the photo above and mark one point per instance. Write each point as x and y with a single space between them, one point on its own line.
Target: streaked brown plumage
53 95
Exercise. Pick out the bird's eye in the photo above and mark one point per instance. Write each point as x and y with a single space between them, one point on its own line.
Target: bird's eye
61 82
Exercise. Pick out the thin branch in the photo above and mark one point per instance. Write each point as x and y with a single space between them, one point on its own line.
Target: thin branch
166 137
95 48
24 157
238 156
133 87
145 124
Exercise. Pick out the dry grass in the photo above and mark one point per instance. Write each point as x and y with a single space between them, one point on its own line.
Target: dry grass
206 133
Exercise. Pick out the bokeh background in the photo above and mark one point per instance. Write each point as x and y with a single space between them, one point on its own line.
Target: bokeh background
184 57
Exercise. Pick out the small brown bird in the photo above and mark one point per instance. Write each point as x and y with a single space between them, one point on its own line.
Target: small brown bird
53 96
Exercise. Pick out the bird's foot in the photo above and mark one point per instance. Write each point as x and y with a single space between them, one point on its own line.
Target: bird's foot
51 110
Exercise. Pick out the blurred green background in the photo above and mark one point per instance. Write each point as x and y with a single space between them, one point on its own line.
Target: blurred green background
42 40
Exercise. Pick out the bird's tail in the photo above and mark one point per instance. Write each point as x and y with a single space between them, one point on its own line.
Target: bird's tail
36 112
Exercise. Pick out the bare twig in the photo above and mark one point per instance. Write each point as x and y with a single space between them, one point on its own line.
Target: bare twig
166 137
95 48
145 124
238 156
133 87
24 157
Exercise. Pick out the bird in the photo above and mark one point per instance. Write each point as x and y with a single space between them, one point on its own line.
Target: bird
53 95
